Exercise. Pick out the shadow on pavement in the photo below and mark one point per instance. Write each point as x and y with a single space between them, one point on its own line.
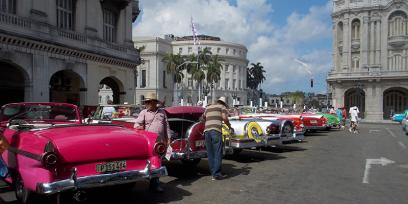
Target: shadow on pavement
250 156
319 133
285 148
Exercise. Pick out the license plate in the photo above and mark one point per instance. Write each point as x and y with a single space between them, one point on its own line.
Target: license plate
111 166
313 121
200 143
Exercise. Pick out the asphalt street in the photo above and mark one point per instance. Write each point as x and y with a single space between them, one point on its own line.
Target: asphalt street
329 167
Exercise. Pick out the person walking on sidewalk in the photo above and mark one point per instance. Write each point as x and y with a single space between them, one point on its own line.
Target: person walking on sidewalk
354 119
214 115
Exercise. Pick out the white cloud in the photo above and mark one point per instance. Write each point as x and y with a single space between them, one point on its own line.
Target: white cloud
249 23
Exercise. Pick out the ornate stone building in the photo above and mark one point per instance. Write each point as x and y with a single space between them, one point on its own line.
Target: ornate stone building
62 50
370 56
153 77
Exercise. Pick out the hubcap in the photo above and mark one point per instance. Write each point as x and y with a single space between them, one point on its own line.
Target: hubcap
254 133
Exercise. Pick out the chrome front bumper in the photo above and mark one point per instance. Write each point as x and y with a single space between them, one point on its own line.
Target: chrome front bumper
189 155
250 143
100 180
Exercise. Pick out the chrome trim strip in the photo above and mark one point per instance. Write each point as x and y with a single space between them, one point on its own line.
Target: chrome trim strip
100 180
248 143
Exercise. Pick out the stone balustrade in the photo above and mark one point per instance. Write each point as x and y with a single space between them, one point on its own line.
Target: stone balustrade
32 28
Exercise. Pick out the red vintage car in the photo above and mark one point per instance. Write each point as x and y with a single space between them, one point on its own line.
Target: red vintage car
313 122
51 151
187 139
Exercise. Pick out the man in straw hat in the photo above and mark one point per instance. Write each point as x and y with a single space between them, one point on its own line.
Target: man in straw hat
214 115
153 119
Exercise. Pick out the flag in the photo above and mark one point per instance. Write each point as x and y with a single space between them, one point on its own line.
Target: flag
195 33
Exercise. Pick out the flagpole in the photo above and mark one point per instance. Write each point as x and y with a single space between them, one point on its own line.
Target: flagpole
196 41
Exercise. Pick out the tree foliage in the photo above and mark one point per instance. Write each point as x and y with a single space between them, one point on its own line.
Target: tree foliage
255 75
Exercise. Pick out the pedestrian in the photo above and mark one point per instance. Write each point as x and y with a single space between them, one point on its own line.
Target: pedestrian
107 111
339 114
154 119
354 119
344 114
214 116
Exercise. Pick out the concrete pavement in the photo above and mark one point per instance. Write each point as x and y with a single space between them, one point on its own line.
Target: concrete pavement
328 167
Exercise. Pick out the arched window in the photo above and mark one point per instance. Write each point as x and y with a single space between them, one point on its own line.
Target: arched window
396 62
397 24
355 63
355 29
65 14
340 32
8 6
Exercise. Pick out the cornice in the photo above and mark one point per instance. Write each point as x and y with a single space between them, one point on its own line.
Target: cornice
32 45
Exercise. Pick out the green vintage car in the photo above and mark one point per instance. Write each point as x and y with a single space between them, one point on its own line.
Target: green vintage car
332 120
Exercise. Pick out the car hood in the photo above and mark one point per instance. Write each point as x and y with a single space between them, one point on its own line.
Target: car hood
96 142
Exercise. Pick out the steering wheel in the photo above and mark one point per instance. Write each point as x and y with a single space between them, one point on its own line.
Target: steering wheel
17 122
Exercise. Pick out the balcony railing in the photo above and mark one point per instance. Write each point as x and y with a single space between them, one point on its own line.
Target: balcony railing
72 35
11 19
355 44
28 25
398 41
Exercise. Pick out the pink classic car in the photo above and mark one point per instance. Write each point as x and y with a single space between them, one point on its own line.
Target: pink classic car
51 151
187 139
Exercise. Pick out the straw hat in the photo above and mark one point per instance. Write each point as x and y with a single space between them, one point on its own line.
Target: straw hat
222 100
151 97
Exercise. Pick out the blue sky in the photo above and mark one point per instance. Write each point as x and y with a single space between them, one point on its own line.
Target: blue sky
275 32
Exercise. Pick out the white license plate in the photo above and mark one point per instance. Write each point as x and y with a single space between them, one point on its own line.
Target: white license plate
111 166
200 143
313 121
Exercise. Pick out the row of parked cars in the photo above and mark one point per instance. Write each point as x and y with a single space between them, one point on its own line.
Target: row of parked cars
54 149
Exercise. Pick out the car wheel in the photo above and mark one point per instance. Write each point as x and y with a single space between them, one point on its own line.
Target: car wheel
328 128
191 162
23 195
236 152
287 131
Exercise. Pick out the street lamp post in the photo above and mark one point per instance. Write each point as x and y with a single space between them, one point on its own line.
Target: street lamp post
206 90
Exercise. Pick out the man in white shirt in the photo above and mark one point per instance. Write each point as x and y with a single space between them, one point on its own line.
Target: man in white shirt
354 119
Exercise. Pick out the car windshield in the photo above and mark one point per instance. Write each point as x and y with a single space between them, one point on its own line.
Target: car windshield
111 112
38 112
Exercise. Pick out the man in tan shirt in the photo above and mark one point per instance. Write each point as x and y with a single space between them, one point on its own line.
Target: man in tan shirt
214 115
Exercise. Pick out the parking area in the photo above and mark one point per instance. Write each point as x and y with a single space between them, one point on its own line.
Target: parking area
328 167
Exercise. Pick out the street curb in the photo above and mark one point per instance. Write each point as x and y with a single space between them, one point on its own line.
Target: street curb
379 122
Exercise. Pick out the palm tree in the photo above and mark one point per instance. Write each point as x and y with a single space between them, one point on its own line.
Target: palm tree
255 77
258 71
214 73
173 63
197 70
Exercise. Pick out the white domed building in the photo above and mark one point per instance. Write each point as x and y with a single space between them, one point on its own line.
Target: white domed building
153 77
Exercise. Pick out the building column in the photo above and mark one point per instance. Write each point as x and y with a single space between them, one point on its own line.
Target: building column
346 44
374 102
364 42
41 78
378 43
372 43
338 96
